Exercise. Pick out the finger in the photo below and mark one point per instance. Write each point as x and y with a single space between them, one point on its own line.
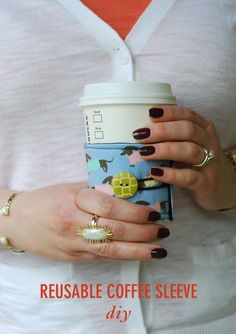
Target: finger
128 250
76 256
187 152
85 257
124 231
172 131
101 204
73 249
75 244
81 257
186 178
167 113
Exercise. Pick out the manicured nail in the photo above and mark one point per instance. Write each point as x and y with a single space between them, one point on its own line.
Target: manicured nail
156 112
141 133
157 171
147 150
163 232
158 253
153 216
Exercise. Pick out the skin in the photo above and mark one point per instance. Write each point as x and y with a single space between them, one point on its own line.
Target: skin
179 135
44 221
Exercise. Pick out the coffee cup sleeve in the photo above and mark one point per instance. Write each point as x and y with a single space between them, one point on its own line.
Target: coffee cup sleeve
119 170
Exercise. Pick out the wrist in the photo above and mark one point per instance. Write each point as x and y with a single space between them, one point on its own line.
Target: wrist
4 196
5 213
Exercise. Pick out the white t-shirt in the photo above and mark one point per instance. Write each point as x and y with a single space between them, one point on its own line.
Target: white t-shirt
48 51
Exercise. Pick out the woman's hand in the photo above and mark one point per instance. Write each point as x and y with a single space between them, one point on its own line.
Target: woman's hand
177 133
44 221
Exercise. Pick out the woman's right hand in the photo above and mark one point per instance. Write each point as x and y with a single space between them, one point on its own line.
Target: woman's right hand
44 221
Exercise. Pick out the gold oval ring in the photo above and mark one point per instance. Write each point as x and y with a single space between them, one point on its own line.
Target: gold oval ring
93 232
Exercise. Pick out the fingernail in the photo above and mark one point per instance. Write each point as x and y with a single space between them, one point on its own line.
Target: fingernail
156 112
157 171
147 150
141 133
163 232
153 216
158 253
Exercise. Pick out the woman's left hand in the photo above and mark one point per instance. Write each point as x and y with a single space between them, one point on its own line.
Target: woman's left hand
177 133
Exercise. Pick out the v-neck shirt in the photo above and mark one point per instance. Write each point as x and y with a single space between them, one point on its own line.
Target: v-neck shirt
121 15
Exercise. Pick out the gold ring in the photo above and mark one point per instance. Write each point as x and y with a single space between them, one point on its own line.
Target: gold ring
93 232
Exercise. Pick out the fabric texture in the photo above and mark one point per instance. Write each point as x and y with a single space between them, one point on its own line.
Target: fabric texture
47 54
106 161
120 15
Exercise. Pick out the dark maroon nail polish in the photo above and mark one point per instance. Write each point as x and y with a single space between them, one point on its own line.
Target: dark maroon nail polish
156 112
163 232
158 253
141 133
157 171
153 216
147 150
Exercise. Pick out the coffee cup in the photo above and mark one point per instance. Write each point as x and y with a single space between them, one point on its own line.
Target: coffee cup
113 110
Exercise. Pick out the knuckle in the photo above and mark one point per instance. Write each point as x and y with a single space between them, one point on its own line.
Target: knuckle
149 235
142 213
118 230
107 250
65 220
138 253
174 176
192 115
189 129
211 126
168 149
105 204
162 130
66 214
190 178
68 194
82 194
194 150
167 108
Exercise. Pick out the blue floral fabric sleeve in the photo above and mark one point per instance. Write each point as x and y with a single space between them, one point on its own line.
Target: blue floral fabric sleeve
119 170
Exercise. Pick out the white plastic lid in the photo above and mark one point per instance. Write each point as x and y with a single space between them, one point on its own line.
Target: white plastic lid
137 92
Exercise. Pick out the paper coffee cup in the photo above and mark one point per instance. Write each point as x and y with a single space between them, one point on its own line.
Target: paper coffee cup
113 110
